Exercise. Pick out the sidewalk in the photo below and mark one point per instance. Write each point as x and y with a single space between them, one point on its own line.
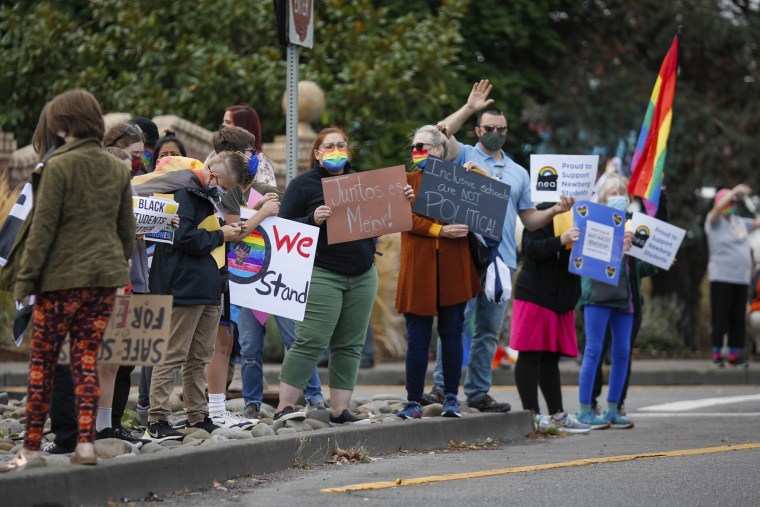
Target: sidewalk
645 372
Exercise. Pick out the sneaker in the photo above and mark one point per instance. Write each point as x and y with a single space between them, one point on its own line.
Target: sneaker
616 420
123 434
737 361
206 424
543 423
589 418
161 430
412 410
488 404
436 395
320 405
229 420
53 448
289 413
566 423
177 422
346 417
451 407
595 408
718 360
621 409
251 412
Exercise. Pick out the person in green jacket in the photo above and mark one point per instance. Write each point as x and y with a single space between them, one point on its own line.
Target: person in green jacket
71 255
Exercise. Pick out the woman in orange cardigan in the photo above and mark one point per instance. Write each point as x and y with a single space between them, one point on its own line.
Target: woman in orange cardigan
437 277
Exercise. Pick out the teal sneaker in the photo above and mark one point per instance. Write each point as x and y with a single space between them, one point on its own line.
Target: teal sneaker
589 418
616 420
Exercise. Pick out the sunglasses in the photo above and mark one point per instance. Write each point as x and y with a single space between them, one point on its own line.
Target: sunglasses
491 128
419 146
342 145
131 130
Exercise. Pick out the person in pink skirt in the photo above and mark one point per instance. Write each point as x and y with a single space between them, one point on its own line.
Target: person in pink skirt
543 324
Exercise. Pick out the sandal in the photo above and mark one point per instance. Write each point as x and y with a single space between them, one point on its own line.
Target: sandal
21 461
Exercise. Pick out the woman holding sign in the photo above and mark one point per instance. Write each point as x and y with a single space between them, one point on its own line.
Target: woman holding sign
341 293
72 255
604 305
437 277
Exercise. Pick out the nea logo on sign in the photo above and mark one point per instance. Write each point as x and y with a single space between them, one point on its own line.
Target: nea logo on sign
301 10
547 178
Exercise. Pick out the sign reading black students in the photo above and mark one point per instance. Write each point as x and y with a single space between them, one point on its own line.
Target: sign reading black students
453 195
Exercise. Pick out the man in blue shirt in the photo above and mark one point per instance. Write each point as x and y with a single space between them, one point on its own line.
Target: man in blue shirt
489 156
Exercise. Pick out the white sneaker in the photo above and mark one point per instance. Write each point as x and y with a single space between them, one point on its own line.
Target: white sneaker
568 424
230 420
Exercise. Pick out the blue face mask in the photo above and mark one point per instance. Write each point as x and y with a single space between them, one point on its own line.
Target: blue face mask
619 202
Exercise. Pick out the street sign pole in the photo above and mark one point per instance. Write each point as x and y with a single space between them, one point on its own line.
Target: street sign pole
291 122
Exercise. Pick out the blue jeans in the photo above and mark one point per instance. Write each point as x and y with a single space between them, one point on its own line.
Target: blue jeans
596 319
487 319
313 391
419 332
251 341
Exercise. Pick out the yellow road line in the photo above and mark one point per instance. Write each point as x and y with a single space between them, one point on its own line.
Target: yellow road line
533 468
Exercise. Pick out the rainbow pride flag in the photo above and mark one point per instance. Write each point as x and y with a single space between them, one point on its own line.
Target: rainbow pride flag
648 163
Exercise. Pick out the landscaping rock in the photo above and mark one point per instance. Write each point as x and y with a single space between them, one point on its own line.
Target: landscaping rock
232 433
262 430
433 410
299 426
316 424
112 447
286 431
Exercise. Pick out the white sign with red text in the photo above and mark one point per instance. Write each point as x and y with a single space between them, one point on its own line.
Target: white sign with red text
270 270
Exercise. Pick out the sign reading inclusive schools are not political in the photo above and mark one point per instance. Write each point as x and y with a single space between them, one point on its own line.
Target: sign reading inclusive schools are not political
654 241
137 333
599 250
555 175
453 195
270 269
367 204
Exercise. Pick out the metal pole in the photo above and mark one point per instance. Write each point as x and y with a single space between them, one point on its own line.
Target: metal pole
291 122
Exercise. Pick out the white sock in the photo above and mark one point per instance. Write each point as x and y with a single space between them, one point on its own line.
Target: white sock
216 404
103 419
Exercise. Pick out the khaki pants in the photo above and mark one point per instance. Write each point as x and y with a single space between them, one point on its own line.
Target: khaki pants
191 346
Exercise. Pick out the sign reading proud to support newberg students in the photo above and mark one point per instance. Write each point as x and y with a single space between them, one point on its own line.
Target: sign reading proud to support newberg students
270 270
555 175
599 250
137 333
654 241
367 204
453 195
153 214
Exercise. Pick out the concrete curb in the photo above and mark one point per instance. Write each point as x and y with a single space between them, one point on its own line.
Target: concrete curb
198 467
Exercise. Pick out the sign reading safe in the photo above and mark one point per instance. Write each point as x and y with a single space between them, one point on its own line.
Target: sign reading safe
453 195
137 333
368 204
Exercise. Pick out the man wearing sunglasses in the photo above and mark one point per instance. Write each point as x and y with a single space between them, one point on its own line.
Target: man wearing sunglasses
489 156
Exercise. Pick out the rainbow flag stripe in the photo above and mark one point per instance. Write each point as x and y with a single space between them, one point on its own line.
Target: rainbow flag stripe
648 163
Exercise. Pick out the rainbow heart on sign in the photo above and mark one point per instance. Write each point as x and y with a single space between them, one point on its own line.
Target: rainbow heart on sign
617 219
582 210
578 262
611 272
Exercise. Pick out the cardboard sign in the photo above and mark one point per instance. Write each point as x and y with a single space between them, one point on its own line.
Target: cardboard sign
153 214
555 175
14 222
137 333
654 241
366 205
451 194
270 270
598 252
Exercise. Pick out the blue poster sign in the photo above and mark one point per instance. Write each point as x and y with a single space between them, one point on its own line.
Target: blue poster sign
599 250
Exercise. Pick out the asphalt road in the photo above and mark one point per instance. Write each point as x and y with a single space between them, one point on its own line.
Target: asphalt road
695 433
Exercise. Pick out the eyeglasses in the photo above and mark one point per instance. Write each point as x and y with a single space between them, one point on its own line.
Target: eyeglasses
341 145
491 128
419 146
131 130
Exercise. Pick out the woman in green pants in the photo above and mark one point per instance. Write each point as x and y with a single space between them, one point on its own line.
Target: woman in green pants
341 292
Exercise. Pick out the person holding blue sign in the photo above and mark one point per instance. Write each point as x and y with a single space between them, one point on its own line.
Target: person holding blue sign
489 156
614 305
436 277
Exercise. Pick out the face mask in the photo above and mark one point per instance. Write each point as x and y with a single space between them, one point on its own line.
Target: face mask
136 163
419 158
619 202
334 161
493 140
